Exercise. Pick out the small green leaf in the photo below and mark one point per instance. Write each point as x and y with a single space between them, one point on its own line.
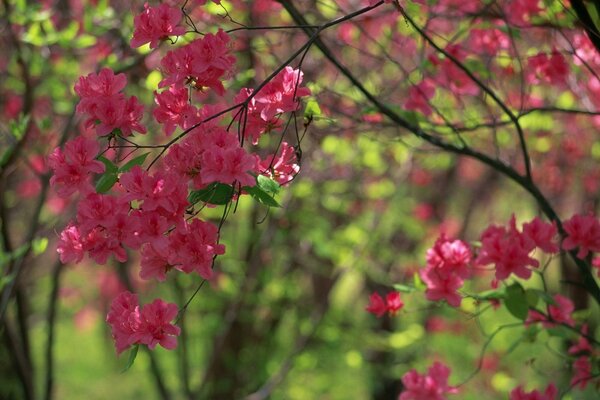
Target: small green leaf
106 182
110 167
261 196
215 193
312 108
404 288
267 184
516 301
131 359
39 245
139 160
491 295
419 285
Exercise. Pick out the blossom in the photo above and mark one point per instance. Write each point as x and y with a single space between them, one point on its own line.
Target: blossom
542 234
489 41
174 109
559 313
155 326
519 394
204 62
430 386
583 231
419 96
149 325
440 287
72 168
124 319
551 69
155 24
508 249
70 246
283 167
582 373
378 306
450 257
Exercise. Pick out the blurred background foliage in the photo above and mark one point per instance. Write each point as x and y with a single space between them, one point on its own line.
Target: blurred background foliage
285 319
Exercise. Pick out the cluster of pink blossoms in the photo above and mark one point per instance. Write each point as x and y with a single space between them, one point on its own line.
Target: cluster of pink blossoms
148 211
510 249
105 106
149 325
430 386
155 24
391 305
448 265
278 96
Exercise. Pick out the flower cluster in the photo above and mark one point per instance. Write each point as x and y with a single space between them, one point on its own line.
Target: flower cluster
278 96
378 306
132 208
430 386
447 267
155 24
509 249
105 106
149 325
203 63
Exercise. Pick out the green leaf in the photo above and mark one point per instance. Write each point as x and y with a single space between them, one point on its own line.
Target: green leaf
261 196
312 109
39 245
106 182
491 295
110 167
267 184
532 297
215 193
548 299
516 301
132 355
404 288
139 160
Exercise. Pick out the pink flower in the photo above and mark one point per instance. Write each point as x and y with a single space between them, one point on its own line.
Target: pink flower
551 69
508 249
155 325
193 247
583 231
149 325
72 168
582 346
489 41
519 12
282 168
582 374
70 246
542 234
419 96
155 24
450 257
378 306
92 87
281 94
175 110
442 287
393 302
125 320
519 394
431 386
559 313
204 62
